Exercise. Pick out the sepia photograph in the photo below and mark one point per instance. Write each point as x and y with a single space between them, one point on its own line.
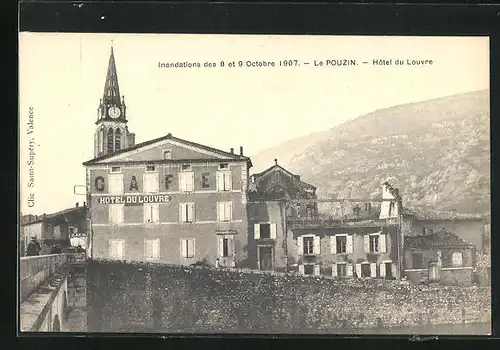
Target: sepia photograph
254 184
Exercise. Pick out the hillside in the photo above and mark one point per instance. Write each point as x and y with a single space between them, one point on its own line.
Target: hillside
437 152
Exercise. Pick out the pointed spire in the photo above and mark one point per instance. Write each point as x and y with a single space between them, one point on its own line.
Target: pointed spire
111 89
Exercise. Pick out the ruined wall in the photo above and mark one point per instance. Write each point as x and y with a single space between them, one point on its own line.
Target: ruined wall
161 298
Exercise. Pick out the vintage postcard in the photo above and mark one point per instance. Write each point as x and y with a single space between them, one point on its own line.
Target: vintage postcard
257 184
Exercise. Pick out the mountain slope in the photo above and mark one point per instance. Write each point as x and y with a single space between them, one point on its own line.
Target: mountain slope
437 152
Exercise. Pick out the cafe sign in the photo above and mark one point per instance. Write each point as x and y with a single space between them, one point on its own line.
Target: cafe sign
134 199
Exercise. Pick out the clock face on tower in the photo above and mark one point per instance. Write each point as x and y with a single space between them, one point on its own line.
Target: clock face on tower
114 112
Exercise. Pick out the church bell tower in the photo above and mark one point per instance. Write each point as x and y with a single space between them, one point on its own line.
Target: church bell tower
112 133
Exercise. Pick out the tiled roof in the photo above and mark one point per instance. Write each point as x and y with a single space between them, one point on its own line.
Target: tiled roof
440 238
428 214
163 138
277 166
63 212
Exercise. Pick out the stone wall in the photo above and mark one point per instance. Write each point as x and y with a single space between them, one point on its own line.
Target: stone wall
163 298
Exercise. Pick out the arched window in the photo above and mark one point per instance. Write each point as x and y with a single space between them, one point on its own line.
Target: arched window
101 140
118 140
110 140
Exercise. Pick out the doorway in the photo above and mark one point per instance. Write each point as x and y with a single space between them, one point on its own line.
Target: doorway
265 258
388 270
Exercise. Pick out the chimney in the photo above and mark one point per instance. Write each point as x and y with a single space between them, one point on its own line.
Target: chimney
241 150
77 204
232 150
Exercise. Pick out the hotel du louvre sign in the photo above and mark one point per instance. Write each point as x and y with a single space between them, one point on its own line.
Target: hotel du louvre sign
134 199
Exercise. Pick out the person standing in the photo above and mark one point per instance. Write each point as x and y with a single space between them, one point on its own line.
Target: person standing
33 247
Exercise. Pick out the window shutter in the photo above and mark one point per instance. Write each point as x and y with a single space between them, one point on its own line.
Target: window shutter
273 231
300 245
382 243
316 270
373 269
230 181
120 250
182 209
146 211
333 244
112 249
256 231
156 212
334 270
358 270
317 245
120 209
221 245
349 270
301 269
156 182
367 243
349 244
191 248
230 246
219 181
181 182
191 211
147 248
156 249
394 269
190 179
230 211
382 269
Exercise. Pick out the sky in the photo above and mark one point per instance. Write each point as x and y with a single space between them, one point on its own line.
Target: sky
62 78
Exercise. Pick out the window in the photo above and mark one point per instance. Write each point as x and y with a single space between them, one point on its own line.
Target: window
224 166
151 212
115 183
265 230
341 244
224 181
309 269
186 167
308 245
186 212
151 182
342 270
187 247
226 246
118 139
116 213
224 211
152 249
391 208
375 243
205 180
456 258
110 140
116 169
427 231
150 168
168 181
365 270
417 260
386 269
167 154
186 182
116 249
